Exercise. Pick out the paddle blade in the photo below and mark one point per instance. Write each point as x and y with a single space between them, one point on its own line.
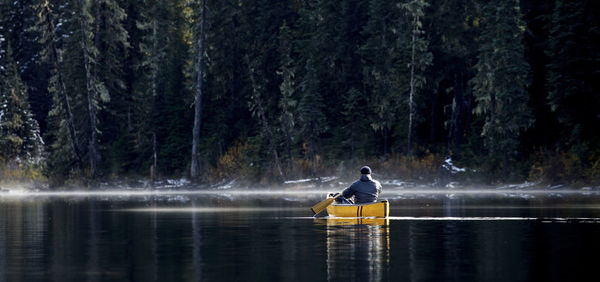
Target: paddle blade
322 205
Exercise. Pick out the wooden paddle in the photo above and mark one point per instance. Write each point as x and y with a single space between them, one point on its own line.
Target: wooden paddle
323 204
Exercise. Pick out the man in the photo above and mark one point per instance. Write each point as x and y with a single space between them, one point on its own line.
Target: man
365 190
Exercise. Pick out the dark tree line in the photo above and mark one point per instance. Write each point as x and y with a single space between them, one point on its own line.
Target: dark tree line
276 90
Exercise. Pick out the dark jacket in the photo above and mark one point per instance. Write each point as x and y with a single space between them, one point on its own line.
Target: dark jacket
365 190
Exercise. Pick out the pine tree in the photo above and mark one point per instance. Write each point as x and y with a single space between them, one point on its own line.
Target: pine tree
454 27
573 70
355 121
173 117
385 74
152 27
94 87
287 102
20 139
257 107
52 53
500 86
226 79
312 119
198 99
17 17
263 101
111 40
420 58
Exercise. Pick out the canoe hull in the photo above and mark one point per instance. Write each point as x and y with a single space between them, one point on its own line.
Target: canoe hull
378 210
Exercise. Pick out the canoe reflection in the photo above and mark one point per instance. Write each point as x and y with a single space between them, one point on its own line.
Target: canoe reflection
357 246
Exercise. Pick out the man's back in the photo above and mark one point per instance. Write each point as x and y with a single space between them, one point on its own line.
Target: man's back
364 190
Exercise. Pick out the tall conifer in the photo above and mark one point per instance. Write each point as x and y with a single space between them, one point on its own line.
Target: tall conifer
500 86
20 139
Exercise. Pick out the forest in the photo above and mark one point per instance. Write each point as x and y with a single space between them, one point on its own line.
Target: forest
267 91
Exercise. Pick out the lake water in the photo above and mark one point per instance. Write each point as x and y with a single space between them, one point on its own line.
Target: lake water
141 235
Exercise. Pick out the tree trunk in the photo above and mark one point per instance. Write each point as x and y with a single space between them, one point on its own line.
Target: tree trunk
352 143
154 69
288 148
153 168
434 117
385 140
63 92
411 108
93 154
313 157
492 128
459 99
198 102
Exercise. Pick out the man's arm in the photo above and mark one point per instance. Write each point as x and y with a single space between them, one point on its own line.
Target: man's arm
348 192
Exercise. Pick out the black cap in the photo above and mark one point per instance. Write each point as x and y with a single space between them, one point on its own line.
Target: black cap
365 170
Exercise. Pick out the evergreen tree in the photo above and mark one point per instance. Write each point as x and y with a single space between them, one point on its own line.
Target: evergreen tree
149 77
198 99
312 120
67 124
111 40
52 53
257 108
385 74
356 124
337 35
173 118
572 80
20 139
500 86
420 58
454 26
94 87
17 17
287 102
226 80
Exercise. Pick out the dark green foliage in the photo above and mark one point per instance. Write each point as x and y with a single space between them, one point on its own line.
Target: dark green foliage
18 18
20 140
454 26
573 74
288 101
385 57
309 84
420 59
500 85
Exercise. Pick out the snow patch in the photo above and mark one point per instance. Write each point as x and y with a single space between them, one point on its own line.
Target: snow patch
451 167
328 178
177 182
395 182
297 181
526 184
229 185
320 179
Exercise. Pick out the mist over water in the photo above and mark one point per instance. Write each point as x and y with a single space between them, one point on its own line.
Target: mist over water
245 234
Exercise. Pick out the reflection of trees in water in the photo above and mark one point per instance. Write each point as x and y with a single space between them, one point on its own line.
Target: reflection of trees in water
453 207
359 248
3 235
197 242
93 242
22 233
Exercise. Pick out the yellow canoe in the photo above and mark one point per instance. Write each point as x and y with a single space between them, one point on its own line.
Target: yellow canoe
341 221
378 209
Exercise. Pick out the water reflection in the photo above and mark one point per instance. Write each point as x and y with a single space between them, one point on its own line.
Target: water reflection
93 260
197 258
357 247
255 239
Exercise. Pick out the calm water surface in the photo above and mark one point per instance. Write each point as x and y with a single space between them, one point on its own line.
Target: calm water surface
433 236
